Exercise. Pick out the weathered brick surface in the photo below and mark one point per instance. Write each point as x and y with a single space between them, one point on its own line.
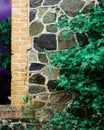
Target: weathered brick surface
21 42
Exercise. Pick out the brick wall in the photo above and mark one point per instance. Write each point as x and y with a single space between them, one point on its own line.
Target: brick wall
21 42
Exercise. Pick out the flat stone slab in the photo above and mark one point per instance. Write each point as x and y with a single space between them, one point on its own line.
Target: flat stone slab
32 14
38 104
36 66
37 79
52 85
43 58
45 41
35 28
36 89
35 3
50 17
51 2
71 7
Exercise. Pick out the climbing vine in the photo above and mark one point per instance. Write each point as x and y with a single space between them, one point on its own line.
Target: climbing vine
82 71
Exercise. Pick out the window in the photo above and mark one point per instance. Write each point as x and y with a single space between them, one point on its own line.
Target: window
5 51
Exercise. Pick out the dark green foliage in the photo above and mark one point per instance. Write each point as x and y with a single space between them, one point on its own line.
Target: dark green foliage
5 61
82 73
5 44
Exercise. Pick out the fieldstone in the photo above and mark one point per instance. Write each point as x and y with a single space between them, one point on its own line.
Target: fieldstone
42 11
38 104
42 97
32 14
35 28
66 43
51 2
36 89
60 97
44 114
36 66
32 56
51 28
43 58
45 41
52 85
35 3
37 78
52 74
71 7
58 107
50 17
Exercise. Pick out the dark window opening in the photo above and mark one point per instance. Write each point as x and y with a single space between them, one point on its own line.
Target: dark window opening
5 51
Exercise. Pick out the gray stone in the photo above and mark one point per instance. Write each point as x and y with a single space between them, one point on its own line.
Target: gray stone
35 28
32 56
36 89
66 43
44 114
36 66
50 17
71 7
53 74
42 97
35 3
52 85
32 14
37 79
45 41
51 2
51 28
43 58
60 97
42 11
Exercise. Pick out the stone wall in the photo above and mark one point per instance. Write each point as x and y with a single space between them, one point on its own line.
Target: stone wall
30 75
43 14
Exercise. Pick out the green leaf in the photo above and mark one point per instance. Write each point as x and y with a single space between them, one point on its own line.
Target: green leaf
26 99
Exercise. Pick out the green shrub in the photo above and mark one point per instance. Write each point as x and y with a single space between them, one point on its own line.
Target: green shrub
82 72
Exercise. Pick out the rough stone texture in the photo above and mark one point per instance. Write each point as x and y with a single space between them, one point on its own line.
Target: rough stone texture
44 114
32 14
51 28
32 56
65 43
35 3
36 66
36 89
45 41
53 74
50 17
52 84
37 78
71 7
51 2
35 28
19 124
41 78
43 58
42 97
38 104
42 11
55 103
60 97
